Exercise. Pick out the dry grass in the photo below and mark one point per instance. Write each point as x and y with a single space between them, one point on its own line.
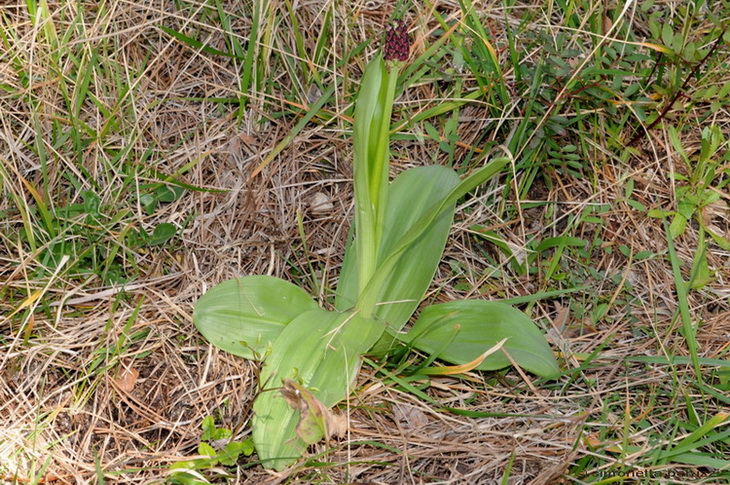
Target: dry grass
103 380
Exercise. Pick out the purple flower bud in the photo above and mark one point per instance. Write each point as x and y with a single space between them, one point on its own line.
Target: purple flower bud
397 43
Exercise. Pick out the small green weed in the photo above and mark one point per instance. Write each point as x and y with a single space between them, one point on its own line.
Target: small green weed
217 449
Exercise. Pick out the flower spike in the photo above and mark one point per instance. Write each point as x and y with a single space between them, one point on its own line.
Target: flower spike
397 42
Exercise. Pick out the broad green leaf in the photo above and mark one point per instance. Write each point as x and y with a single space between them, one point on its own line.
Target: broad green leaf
473 326
369 298
667 34
243 316
412 194
320 351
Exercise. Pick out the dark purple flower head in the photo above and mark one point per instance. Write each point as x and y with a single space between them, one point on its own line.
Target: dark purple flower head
397 43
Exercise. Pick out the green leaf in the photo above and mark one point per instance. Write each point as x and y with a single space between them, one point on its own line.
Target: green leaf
700 274
656 213
148 203
169 193
243 316
667 34
721 241
474 326
228 456
210 431
636 205
371 138
206 450
370 297
321 351
679 223
91 202
162 233
695 439
553 242
412 194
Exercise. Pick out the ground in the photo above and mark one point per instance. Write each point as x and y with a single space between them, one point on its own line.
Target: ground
151 150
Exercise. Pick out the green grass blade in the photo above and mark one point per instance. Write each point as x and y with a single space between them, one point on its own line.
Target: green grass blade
702 459
196 44
693 440
679 360
688 330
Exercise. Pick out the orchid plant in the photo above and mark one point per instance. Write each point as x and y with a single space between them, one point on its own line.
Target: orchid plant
311 355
